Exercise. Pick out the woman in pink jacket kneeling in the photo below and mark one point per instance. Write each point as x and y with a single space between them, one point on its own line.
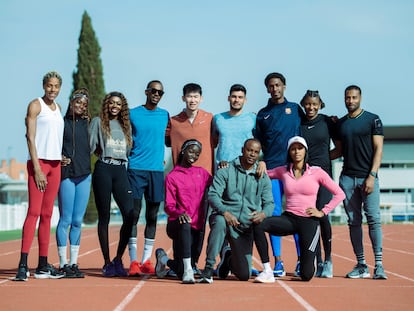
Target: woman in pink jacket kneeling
186 207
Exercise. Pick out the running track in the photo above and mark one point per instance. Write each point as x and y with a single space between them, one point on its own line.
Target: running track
149 293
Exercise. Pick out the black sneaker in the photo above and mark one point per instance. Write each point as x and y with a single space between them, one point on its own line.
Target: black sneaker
67 271
79 274
223 268
22 273
48 272
206 276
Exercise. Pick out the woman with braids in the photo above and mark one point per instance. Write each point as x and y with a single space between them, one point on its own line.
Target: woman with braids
75 181
44 134
110 140
185 205
318 130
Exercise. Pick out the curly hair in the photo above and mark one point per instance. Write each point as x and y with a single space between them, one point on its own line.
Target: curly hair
82 92
123 116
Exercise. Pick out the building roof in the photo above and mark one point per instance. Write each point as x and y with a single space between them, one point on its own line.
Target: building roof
399 132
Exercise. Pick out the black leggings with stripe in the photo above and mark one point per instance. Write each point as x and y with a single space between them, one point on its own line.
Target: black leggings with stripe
288 224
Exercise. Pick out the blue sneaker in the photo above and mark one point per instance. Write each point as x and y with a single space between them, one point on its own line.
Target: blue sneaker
119 267
108 270
279 269
255 272
319 269
327 271
297 269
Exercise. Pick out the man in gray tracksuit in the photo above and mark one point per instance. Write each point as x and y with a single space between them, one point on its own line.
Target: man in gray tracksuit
239 200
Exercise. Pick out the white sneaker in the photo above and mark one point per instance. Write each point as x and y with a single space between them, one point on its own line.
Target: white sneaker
265 277
188 277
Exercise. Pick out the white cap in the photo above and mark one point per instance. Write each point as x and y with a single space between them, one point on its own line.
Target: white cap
297 139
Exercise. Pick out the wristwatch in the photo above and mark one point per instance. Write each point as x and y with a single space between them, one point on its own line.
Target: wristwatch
373 174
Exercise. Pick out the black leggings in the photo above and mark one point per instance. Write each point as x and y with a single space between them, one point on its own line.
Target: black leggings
151 214
110 179
186 241
307 229
324 196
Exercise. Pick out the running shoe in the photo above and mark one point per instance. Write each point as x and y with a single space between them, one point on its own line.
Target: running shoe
319 269
297 269
134 269
360 271
160 268
379 273
119 267
206 276
79 274
108 270
22 273
327 269
147 267
279 269
48 272
265 277
68 272
188 277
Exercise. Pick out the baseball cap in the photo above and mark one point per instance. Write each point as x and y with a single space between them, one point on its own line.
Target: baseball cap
297 139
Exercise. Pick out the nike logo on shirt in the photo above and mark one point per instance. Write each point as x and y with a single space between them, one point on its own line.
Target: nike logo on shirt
267 117
311 127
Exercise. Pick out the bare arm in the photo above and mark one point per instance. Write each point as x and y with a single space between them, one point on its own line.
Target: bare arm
377 142
337 151
33 111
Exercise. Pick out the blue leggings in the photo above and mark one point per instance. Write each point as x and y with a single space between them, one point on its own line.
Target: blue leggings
73 199
275 241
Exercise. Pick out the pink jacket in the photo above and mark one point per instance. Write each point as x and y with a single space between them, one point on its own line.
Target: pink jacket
184 192
301 193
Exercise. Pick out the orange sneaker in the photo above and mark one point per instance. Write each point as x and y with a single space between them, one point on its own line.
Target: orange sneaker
147 267
134 269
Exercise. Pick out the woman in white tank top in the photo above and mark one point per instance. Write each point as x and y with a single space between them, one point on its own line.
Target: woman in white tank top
44 134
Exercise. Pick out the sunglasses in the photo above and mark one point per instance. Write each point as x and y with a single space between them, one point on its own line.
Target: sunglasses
155 91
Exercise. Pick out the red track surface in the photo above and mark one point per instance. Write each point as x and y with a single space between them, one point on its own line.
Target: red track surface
95 292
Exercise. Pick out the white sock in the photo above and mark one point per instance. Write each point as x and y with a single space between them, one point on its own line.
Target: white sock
62 256
187 264
74 252
148 246
132 249
267 267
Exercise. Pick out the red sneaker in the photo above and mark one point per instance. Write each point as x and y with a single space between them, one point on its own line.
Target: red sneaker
147 267
134 269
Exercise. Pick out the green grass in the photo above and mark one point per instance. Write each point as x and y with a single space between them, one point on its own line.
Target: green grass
14 234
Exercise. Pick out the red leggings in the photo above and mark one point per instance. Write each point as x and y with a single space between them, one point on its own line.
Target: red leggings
40 205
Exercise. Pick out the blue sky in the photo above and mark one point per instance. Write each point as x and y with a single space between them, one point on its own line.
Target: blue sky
323 45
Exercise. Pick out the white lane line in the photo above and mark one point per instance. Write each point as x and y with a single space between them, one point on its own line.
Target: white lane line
289 290
131 295
296 296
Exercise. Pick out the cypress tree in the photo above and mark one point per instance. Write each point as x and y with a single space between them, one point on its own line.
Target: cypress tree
89 74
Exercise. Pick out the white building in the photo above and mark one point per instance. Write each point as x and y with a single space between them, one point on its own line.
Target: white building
396 174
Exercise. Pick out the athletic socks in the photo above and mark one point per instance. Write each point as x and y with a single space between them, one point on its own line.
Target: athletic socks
132 249
62 256
74 253
148 246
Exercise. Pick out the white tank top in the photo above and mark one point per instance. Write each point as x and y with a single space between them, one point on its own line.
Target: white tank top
49 132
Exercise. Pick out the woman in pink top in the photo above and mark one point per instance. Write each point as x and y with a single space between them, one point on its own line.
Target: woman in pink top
301 184
185 206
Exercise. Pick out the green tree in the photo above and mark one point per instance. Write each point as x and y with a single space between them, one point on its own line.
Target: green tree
89 74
